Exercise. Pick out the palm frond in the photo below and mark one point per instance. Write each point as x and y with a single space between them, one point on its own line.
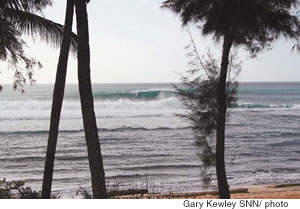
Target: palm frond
39 27
9 39
26 5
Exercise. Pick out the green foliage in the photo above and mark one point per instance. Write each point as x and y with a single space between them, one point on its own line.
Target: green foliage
199 96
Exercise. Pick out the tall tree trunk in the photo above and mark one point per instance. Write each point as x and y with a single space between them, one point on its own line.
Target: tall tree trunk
57 102
87 103
221 119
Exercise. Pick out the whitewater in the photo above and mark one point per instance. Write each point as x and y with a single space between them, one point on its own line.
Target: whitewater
143 140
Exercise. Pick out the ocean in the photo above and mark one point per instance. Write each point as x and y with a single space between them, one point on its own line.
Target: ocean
144 142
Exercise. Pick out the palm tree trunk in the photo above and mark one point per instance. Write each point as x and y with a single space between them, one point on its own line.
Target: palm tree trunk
87 103
57 102
221 119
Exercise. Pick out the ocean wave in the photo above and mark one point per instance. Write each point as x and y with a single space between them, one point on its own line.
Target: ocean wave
160 167
22 159
115 107
137 95
281 134
36 132
113 102
290 143
123 177
118 129
79 117
265 106
104 109
127 104
143 129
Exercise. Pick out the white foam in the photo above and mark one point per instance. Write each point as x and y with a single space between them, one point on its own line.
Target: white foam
40 109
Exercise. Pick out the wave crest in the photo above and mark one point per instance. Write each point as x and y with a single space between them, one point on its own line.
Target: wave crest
265 106
137 95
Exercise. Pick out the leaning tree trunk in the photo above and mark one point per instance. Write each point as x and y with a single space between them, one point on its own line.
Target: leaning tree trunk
87 103
221 119
57 102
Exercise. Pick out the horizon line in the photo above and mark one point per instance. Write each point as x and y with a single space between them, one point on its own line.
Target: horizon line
156 82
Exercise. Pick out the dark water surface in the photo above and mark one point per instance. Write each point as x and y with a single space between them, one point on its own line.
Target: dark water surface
142 140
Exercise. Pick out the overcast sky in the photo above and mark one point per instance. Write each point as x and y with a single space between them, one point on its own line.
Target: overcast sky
136 41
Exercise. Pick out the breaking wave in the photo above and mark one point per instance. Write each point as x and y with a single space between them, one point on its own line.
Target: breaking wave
266 106
136 95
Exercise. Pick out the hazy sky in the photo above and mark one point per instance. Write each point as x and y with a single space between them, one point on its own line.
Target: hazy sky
137 41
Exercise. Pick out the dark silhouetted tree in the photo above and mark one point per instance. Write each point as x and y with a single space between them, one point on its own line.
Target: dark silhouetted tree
87 102
253 24
58 95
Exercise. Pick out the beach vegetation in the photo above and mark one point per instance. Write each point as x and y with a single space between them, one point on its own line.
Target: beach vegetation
199 96
85 193
17 190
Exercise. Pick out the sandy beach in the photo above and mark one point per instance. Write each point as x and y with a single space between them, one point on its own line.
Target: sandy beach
247 192
270 192
255 192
